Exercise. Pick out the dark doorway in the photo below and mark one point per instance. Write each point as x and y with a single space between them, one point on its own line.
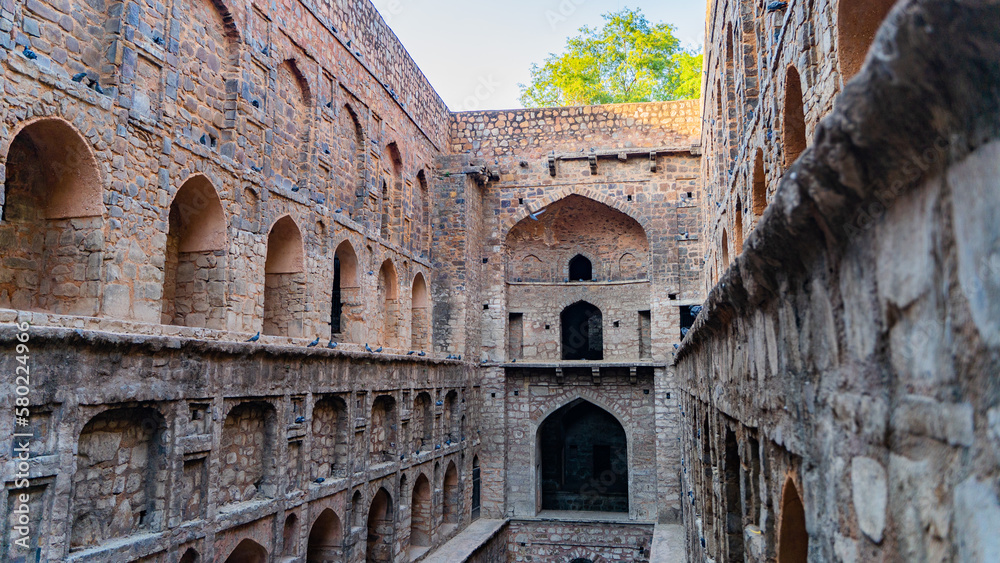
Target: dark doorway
338 304
582 332
476 489
584 456
580 269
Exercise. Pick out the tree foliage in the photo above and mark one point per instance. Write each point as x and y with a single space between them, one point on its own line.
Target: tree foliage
628 60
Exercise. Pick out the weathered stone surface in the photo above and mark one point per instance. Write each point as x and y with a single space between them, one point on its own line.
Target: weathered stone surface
869 491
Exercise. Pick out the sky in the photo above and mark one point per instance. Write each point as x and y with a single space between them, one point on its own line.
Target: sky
475 52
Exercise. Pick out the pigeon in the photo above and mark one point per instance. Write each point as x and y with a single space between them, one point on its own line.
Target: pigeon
158 40
329 105
320 479
300 419
676 346
371 273
422 354
313 344
255 337
340 210
534 216
439 403
458 357
776 5
265 51
96 86
203 140
78 77
331 344
29 53
684 331
379 349
255 168
368 348
513 361
349 41
326 151
255 103
411 352
696 309
449 357
295 188
437 446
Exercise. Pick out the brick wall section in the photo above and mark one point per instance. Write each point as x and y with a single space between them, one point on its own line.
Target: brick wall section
858 375
566 541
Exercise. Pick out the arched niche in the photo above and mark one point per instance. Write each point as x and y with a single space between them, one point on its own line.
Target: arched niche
248 551
793 538
793 119
573 225
248 446
52 223
451 499
857 23
194 266
284 280
347 314
421 521
420 314
380 529
326 538
388 299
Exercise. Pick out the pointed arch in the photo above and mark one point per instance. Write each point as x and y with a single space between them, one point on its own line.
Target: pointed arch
380 528
738 227
347 313
422 424
290 535
420 314
195 257
857 23
388 297
52 217
725 250
759 198
353 135
582 329
793 117
191 555
578 444
793 537
248 551
284 279
451 505
421 524
326 538
292 120
423 231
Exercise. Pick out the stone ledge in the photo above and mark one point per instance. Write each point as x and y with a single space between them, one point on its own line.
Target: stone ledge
870 149
470 539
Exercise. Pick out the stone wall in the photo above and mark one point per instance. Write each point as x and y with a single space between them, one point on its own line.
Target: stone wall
842 407
570 540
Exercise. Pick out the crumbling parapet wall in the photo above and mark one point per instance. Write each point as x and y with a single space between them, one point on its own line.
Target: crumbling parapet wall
840 397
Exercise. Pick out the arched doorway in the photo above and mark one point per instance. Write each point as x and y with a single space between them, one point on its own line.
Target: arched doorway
388 296
346 315
583 453
326 539
582 332
379 544
248 551
793 539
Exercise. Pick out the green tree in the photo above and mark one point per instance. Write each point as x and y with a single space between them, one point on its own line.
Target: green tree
628 60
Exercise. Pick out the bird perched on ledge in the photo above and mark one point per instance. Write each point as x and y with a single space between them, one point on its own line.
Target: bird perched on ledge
313 344
331 344
368 348
775 6
29 53
255 337
422 354
379 349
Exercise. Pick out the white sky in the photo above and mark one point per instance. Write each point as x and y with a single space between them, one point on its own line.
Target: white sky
475 52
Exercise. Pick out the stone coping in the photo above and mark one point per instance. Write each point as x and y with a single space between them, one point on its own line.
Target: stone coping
871 149
466 542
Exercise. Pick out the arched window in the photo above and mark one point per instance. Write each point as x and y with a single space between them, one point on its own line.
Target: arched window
581 444
380 529
738 227
725 250
793 119
793 539
857 22
580 269
731 485
195 258
582 332
284 280
190 556
326 539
